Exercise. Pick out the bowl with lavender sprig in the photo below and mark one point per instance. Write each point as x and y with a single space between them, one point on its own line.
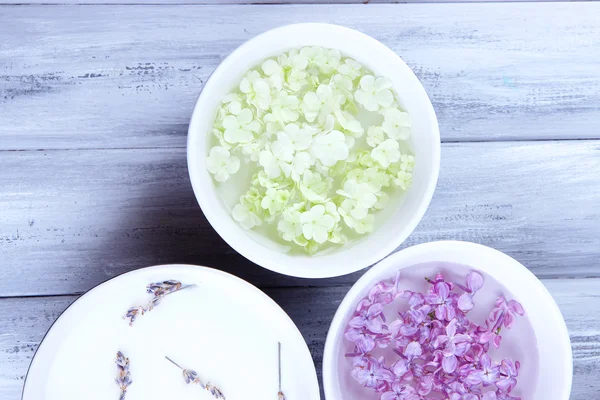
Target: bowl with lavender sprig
448 320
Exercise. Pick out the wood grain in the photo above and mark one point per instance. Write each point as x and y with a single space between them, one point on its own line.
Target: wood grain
127 76
72 219
244 2
23 323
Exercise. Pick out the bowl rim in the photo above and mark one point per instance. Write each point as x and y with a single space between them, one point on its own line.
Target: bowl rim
383 268
245 245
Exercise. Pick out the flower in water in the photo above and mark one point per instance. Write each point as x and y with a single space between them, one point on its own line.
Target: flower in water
375 136
403 180
221 163
276 161
397 124
313 187
350 68
240 128
301 163
289 225
247 218
316 223
330 148
509 371
300 138
275 200
407 162
400 391
318 104
375 375
275 73
386 153
257 90
374 93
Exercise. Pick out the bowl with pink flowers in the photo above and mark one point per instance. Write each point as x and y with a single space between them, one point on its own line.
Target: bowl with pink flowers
448 320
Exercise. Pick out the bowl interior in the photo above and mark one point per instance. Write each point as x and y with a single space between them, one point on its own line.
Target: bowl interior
393 224
538 340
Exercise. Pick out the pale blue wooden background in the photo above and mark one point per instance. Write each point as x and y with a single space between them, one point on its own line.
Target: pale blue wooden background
95 101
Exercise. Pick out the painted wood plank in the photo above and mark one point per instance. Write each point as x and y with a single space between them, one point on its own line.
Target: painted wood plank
255 2
72 219
128 76
23 322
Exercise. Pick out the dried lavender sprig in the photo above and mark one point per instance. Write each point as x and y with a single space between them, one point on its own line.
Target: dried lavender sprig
160 290
191 376
123 378
280 395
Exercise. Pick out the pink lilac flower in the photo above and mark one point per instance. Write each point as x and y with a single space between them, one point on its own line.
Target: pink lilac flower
487 375
375 375
455 345
400 391
439 352
441 301
369 317
509 372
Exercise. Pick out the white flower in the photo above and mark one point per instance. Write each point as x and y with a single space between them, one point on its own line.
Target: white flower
397 124
284 108
239 128
275 73
257 90
375 136
312 54
302 162
294 65
245 217
328 61
276 160
289 225
221 164
350 68
382 200
293 60
407 162
374 93
312 187
386 153
275 200
403 180
299 137
364 225
361 193
348 122
219 135
330 148
253 148
375 178
316 224
356 217
331 209
318 104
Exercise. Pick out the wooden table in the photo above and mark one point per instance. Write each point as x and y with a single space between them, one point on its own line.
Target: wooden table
94 105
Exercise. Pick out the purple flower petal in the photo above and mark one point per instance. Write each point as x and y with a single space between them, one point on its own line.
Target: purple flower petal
465 302
449 364
474 281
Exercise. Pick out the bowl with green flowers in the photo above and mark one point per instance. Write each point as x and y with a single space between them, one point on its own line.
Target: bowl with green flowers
313 150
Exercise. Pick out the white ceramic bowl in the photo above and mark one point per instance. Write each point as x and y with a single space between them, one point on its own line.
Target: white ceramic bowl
539 340
199 327
393 224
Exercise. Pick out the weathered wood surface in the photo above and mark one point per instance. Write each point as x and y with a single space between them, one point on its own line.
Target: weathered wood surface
253 2
24 321
113 76
83 216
